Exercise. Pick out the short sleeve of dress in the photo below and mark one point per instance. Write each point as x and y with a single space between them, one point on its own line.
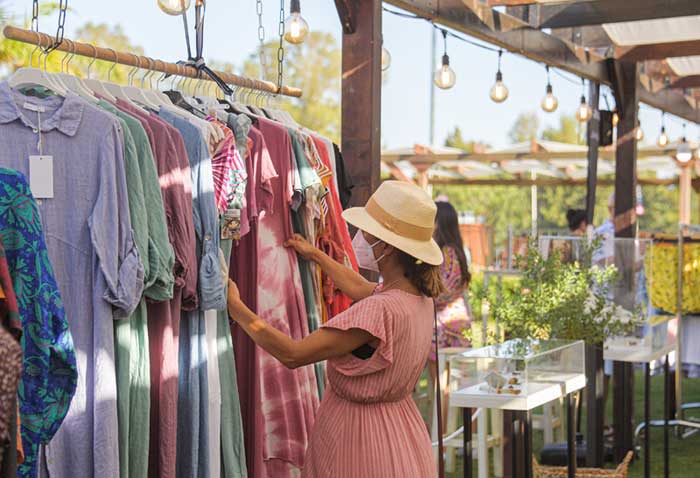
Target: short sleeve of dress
375 316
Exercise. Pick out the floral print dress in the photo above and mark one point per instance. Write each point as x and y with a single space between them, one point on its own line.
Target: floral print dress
452 312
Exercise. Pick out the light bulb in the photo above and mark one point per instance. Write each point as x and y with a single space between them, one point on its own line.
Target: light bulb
174 7
639 134
583 113
295 28
499 91
386 59
615 118
684 154
445 77
663 138
550 102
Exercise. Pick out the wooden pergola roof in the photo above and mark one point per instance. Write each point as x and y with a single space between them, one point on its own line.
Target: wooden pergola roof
584 36
540 163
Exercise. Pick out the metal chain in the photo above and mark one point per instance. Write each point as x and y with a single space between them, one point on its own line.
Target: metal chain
280 50
261 37
35 15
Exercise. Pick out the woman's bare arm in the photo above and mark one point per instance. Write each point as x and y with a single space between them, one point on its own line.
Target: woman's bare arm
346 279
321 345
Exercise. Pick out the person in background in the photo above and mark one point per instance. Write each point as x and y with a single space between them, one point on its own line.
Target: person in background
453 316
577 221
368 424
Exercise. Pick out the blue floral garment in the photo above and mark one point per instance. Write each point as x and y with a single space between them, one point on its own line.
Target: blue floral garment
49 374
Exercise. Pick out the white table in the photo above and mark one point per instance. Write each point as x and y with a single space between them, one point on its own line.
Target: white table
519 407
639 354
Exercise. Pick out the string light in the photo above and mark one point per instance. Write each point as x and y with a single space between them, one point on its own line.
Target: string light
386 58
445 77
683 152
499 91
549 102
295 27
639 134
174 7
615 119
662 140
583 113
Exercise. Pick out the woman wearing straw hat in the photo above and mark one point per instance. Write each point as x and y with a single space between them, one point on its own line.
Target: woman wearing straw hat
368 425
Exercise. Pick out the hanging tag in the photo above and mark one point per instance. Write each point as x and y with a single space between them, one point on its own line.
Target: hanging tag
231 224
41 176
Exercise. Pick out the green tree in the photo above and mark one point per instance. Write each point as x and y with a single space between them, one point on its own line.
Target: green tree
525 127
315 67
456 140
569 131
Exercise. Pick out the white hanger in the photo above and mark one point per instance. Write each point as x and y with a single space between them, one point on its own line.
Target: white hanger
100 87
35 76
137 94
71 82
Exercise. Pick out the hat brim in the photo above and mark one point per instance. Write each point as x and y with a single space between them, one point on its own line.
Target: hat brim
426 251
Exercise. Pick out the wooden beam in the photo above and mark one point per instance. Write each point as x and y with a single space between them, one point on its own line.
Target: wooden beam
537 45
361 98
544 182
596 12
686 82
659 51
345 13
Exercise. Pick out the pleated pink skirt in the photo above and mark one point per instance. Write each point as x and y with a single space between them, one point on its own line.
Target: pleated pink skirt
368 440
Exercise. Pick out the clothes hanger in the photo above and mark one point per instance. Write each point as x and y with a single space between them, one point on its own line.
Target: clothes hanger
149 93
107 90
165 100
29 76
71 82
137 94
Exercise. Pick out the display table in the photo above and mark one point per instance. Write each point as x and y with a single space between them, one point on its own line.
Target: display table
647 356
520 406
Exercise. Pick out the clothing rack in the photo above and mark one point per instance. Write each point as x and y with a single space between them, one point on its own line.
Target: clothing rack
130 59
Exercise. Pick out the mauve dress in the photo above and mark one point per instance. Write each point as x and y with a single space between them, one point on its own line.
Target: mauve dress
368 424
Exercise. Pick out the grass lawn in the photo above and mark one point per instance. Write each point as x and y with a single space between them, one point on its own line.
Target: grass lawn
684 453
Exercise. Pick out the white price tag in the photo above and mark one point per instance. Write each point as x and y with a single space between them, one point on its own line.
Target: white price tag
41 176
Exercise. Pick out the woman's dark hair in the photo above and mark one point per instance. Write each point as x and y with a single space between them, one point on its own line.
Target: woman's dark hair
575 217
424 277
447 235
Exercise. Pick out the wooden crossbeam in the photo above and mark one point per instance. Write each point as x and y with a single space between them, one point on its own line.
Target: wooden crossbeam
659 51
686 82
597 12
544 182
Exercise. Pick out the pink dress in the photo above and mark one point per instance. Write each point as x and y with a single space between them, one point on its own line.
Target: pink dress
368 424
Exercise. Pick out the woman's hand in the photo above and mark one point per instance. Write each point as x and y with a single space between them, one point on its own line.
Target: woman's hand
302 247
235 304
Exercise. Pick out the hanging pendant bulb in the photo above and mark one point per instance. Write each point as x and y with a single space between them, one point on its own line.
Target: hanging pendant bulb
295 27
386 59
662 140
584 112
499 91
174 7
549 102
683 153
639 133
445 77
615 119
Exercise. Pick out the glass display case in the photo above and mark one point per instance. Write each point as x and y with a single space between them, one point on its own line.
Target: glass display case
508 368
656 334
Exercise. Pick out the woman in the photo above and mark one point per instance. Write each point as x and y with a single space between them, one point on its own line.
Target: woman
452 312
577 221
368 424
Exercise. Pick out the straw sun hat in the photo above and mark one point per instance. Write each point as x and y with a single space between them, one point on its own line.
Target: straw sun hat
401 215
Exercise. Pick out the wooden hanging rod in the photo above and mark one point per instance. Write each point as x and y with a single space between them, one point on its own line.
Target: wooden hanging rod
129 59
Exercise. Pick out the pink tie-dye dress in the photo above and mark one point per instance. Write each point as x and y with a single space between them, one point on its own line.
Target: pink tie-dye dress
368 424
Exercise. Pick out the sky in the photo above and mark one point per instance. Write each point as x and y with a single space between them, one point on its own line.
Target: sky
231 35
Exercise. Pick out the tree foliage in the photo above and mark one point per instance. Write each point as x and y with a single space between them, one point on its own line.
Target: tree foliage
315 67
524 128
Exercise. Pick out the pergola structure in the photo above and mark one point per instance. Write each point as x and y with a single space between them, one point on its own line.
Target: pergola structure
645 50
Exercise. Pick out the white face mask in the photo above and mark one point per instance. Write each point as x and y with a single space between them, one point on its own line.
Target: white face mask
364 252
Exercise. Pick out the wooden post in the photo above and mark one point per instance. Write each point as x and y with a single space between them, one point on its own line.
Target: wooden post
361 89
593 140
685 190
627 97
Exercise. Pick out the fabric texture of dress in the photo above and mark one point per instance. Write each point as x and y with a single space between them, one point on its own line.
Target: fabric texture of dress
452 313
368 424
